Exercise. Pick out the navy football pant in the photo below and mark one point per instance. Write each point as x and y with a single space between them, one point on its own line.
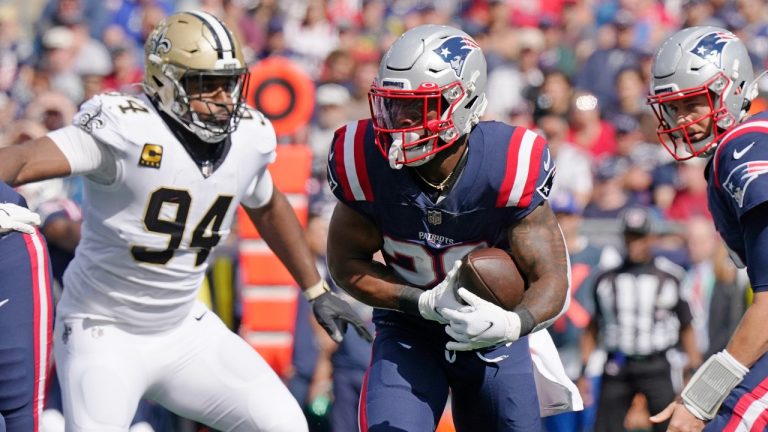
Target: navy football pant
25 330
407 384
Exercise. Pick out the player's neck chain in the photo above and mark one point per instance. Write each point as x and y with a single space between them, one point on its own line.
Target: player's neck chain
447 180
439 186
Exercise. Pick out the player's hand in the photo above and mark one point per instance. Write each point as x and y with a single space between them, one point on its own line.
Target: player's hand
680 419
432 301
333 314
17 218
479 325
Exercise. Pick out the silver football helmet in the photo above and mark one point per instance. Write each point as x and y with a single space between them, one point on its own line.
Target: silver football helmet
430 85
700 61
191 56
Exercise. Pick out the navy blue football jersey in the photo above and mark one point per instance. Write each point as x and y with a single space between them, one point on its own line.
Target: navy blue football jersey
509 172
737 179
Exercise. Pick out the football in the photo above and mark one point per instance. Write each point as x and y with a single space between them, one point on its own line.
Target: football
491 274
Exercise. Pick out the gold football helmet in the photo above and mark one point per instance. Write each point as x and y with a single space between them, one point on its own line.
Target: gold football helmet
192 56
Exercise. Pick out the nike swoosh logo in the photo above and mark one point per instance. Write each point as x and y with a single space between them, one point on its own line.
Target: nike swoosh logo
201 316
2 303
737 154
404 345
490 324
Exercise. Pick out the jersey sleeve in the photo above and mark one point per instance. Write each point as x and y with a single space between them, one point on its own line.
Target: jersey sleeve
528 172
98 117
348 176
8 195
741 168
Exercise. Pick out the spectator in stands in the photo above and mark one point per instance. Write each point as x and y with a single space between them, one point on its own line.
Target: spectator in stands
691 193
598 75
330 100
56 66
519 76
338 68
630 92
587 130
556 55
126 73
311 37
574 166
554 96
609 197
639 157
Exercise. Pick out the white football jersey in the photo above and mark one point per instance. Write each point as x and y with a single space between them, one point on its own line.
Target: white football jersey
147 235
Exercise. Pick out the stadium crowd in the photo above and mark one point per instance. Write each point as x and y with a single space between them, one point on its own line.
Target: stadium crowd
577 71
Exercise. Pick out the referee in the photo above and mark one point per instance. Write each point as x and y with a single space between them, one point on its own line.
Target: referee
639 315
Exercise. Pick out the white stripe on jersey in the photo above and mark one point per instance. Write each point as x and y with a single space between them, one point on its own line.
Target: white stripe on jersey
523 165
759 123
221 33
349 162
752 414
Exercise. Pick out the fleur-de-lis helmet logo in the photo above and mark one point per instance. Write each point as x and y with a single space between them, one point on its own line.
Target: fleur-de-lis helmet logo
159 43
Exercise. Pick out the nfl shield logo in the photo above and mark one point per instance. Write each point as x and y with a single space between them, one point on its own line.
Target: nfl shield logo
434 217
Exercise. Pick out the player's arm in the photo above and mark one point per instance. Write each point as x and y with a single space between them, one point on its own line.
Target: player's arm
537 244
352 242
34 160
748 343
280 229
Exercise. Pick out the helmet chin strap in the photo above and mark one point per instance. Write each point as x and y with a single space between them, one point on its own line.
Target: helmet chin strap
397 154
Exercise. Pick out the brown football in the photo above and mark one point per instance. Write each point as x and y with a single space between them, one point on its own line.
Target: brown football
492 275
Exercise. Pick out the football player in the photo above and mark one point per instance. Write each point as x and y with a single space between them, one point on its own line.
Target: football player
425 182
165 172
26 315
701 90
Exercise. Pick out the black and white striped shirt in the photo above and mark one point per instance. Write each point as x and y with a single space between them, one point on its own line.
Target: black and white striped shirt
639 307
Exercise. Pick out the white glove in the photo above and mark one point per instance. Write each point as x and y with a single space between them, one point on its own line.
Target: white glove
17 218
479 325
432 301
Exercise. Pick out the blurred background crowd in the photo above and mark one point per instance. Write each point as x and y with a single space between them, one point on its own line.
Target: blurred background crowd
576 71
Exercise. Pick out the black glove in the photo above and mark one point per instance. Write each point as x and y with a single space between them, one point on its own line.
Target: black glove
334 314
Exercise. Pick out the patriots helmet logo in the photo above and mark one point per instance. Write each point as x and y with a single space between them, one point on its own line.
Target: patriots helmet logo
739 179
710 47
455 50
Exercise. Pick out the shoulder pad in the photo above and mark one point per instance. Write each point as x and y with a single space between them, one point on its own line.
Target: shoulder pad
348 175
102 115
735 147
528 171
257 130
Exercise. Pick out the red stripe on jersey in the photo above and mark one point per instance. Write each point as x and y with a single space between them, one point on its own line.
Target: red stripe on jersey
360 165
744 128
43 327
744 403
533 172
338 156
362 415
513 149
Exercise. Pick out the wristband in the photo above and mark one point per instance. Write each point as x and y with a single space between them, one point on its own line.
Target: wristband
527 321
711 384
408 300
316 290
